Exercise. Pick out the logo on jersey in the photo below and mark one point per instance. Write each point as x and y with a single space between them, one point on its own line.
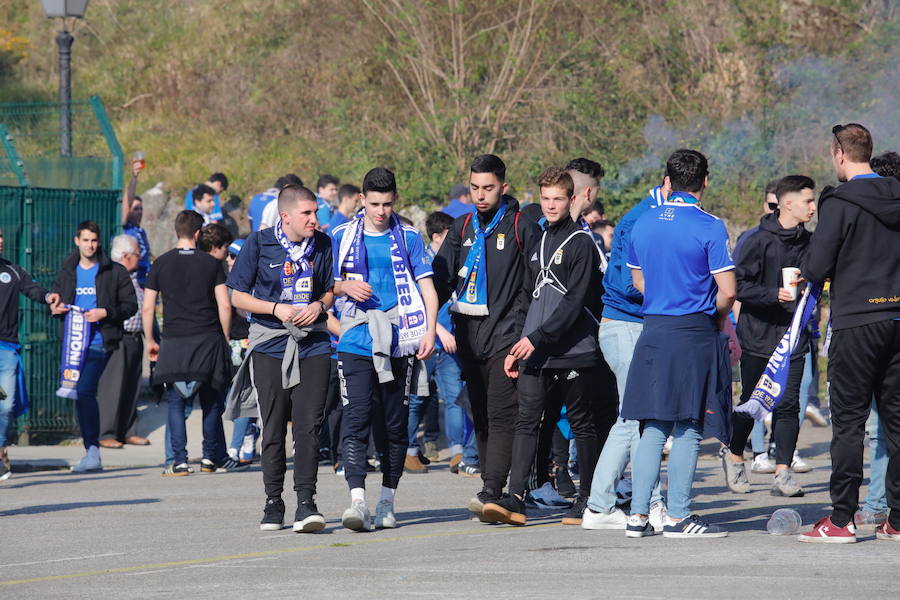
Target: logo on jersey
288 268
534 257
501 241
468 242
5 278
557 258
668 214
85 291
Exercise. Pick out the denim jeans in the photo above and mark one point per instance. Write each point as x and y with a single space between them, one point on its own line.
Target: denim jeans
86 405
241 427
617 341
809 385
170 455
212 402
682 465
758 436
876 500
9 371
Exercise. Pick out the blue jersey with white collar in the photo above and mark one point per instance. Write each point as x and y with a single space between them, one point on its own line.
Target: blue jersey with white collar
679 247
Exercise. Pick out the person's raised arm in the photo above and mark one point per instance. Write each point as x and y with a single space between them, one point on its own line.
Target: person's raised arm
130 191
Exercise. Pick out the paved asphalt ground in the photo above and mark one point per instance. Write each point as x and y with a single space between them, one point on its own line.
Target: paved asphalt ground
129 533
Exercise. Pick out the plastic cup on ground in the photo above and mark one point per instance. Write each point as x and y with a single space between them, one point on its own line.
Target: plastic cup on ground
784 521
789 277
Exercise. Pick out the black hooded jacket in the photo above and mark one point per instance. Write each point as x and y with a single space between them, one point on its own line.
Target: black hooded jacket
115 293
482 337
857 245
763 319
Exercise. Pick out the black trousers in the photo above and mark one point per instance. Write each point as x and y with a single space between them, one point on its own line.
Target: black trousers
360 393
543 393
117 391
303 405
494 403
331 432
863 361
785 417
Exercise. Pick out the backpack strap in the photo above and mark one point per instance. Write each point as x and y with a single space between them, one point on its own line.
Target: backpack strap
462 231
516 229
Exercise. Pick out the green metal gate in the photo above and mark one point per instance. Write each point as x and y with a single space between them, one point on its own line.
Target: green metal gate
39 227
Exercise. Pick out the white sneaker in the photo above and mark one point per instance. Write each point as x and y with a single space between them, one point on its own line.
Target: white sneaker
667 447
762 464
658 514
798 465
768 419
384 515
90 463
357 517
815 415
601 520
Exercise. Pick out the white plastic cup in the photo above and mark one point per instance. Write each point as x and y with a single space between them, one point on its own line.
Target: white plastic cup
784 521
138 157
789 277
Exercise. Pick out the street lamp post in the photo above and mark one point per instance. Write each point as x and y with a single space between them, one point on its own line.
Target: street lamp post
64 9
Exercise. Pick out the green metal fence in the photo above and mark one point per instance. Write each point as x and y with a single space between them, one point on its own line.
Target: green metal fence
39 227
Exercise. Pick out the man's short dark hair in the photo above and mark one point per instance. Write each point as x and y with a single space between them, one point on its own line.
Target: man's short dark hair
854 140
597 207
187 223
325 180
213 236
489 163
290 195
87 226
202 190
289 179
437 222
687 169
405 220
886 164
348 190
599 226
381 180
221 178
772 186
586 166
793 183
557 177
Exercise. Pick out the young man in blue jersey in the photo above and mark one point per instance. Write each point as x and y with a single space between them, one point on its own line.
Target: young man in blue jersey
265 204
348 205
218 183
327 199
679 381
857 246
620 328
387 322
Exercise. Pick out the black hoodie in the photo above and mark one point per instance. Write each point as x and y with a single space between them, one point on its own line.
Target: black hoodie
857 245
763 319
482 337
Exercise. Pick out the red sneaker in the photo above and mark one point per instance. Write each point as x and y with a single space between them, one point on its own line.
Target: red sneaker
826 532
886 532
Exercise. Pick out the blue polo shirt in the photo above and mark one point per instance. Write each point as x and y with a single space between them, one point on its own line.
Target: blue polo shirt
679 247
215 215
257 205
143 241
381 277
257 271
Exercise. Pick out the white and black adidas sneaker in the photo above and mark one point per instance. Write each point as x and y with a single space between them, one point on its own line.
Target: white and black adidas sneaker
638 526
691 527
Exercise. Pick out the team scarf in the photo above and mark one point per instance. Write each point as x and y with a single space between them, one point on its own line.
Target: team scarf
474 297
297 272
410 305
772 383
77 334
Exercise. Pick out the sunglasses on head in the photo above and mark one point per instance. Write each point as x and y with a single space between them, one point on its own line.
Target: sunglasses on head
835 131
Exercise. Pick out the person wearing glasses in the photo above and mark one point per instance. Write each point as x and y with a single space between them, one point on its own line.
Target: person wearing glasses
857 246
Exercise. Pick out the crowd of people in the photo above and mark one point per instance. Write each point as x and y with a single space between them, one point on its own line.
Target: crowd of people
557 343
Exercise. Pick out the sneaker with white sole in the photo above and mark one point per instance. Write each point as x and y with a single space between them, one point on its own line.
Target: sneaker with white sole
798 465
762 464
90 463
173 470
308 519
638 526
273 514
592 519
735 475
784 485
658 515
357 517
384 515
814 414
826 532
692 527
886 532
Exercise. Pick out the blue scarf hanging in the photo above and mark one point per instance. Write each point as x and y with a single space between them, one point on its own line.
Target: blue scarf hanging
297 272
77 334
471 298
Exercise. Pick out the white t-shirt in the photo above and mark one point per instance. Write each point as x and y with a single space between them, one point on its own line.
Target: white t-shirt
270 214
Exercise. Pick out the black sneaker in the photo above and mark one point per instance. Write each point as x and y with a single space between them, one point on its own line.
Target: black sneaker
476 504
563 483
573 515
308 518
467 470
225 465
174 470
507 509
273 514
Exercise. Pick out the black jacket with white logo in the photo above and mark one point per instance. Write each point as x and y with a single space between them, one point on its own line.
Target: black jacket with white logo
481 337
14 281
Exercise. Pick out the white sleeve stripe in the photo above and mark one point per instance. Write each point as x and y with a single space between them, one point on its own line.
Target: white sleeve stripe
722 270
631 266
424 275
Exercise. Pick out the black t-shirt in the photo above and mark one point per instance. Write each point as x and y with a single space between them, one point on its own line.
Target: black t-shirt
186 279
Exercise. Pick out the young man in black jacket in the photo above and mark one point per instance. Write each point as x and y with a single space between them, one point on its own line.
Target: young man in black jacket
857 246
481 264
557 358
102 289
767 307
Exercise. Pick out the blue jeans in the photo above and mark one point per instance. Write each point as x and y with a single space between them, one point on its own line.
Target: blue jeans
9 371
809 385
758 436
241 427
876 500
617 341
170 455
86 405
212 402
682 465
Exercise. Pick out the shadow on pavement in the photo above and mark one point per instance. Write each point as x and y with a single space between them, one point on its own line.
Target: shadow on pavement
67 479
48 508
